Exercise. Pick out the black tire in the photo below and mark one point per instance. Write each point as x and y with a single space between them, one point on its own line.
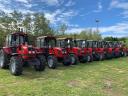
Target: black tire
67 61
3 60
101 57
125 54
16 65
41 66
89 58
74 59
52 62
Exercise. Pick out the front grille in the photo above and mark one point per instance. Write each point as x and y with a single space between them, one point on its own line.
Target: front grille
31 49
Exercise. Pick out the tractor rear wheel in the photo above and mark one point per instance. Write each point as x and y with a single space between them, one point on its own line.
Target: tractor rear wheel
16 65
41 66
3 60
52 62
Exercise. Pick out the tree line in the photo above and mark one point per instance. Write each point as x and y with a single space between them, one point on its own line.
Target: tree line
35 24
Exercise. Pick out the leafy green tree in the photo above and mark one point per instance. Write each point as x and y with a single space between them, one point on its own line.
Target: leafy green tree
41 25
62 29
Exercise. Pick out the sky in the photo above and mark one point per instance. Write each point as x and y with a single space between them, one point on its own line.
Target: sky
77 14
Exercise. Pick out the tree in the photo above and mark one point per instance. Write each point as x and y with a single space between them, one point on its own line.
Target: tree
62 29
41 25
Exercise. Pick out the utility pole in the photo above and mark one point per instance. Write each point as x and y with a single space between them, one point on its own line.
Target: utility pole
97 24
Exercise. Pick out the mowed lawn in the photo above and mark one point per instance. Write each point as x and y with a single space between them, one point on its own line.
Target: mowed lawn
104 78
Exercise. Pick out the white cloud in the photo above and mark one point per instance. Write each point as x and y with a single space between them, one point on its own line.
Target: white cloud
70 3
60 16
117 30
51 2
23 1
120 5
117 4
100 7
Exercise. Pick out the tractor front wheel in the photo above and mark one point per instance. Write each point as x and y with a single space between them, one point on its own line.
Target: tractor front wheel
74 59
101 57
67 61
16 65
3 60
41 66
52 62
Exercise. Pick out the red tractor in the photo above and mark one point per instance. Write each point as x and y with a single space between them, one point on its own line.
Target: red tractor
109 51
97 49
116 49
123 48
52 52
72 49
16 52
85 46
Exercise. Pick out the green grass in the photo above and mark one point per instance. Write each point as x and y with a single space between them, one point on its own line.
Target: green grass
104 78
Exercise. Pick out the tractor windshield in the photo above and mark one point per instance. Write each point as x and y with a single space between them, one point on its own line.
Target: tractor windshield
60 43
18 39
89 44
49 42
69 43
81 43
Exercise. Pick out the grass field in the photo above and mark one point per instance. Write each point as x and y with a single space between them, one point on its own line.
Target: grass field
104 78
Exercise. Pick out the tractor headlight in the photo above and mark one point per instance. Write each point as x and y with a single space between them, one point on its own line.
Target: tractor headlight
64 52
33 52
29 52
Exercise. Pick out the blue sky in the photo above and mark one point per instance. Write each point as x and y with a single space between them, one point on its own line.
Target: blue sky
78 14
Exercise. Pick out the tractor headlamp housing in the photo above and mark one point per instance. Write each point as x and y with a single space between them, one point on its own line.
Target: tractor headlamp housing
64 51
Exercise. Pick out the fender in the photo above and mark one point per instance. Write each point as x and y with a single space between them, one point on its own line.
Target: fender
7 50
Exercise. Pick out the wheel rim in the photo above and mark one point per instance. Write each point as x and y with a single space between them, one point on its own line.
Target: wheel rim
101 57
50 62
13 66
72 60
1 59
89 58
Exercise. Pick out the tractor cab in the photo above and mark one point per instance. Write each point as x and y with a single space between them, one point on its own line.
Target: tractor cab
97 49
16 39
116 48
108 48
16 52
70 45
84 45
53 52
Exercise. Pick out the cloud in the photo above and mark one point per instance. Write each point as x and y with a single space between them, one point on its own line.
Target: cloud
117 30
23 1
100 7
120 5
117 4
70 3
51 2
60 16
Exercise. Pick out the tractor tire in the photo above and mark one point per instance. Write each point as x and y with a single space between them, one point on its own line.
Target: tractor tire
74 59
125 54
41 66
101 57
52 62
16 66
89 58
83 59
3 60
67 61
